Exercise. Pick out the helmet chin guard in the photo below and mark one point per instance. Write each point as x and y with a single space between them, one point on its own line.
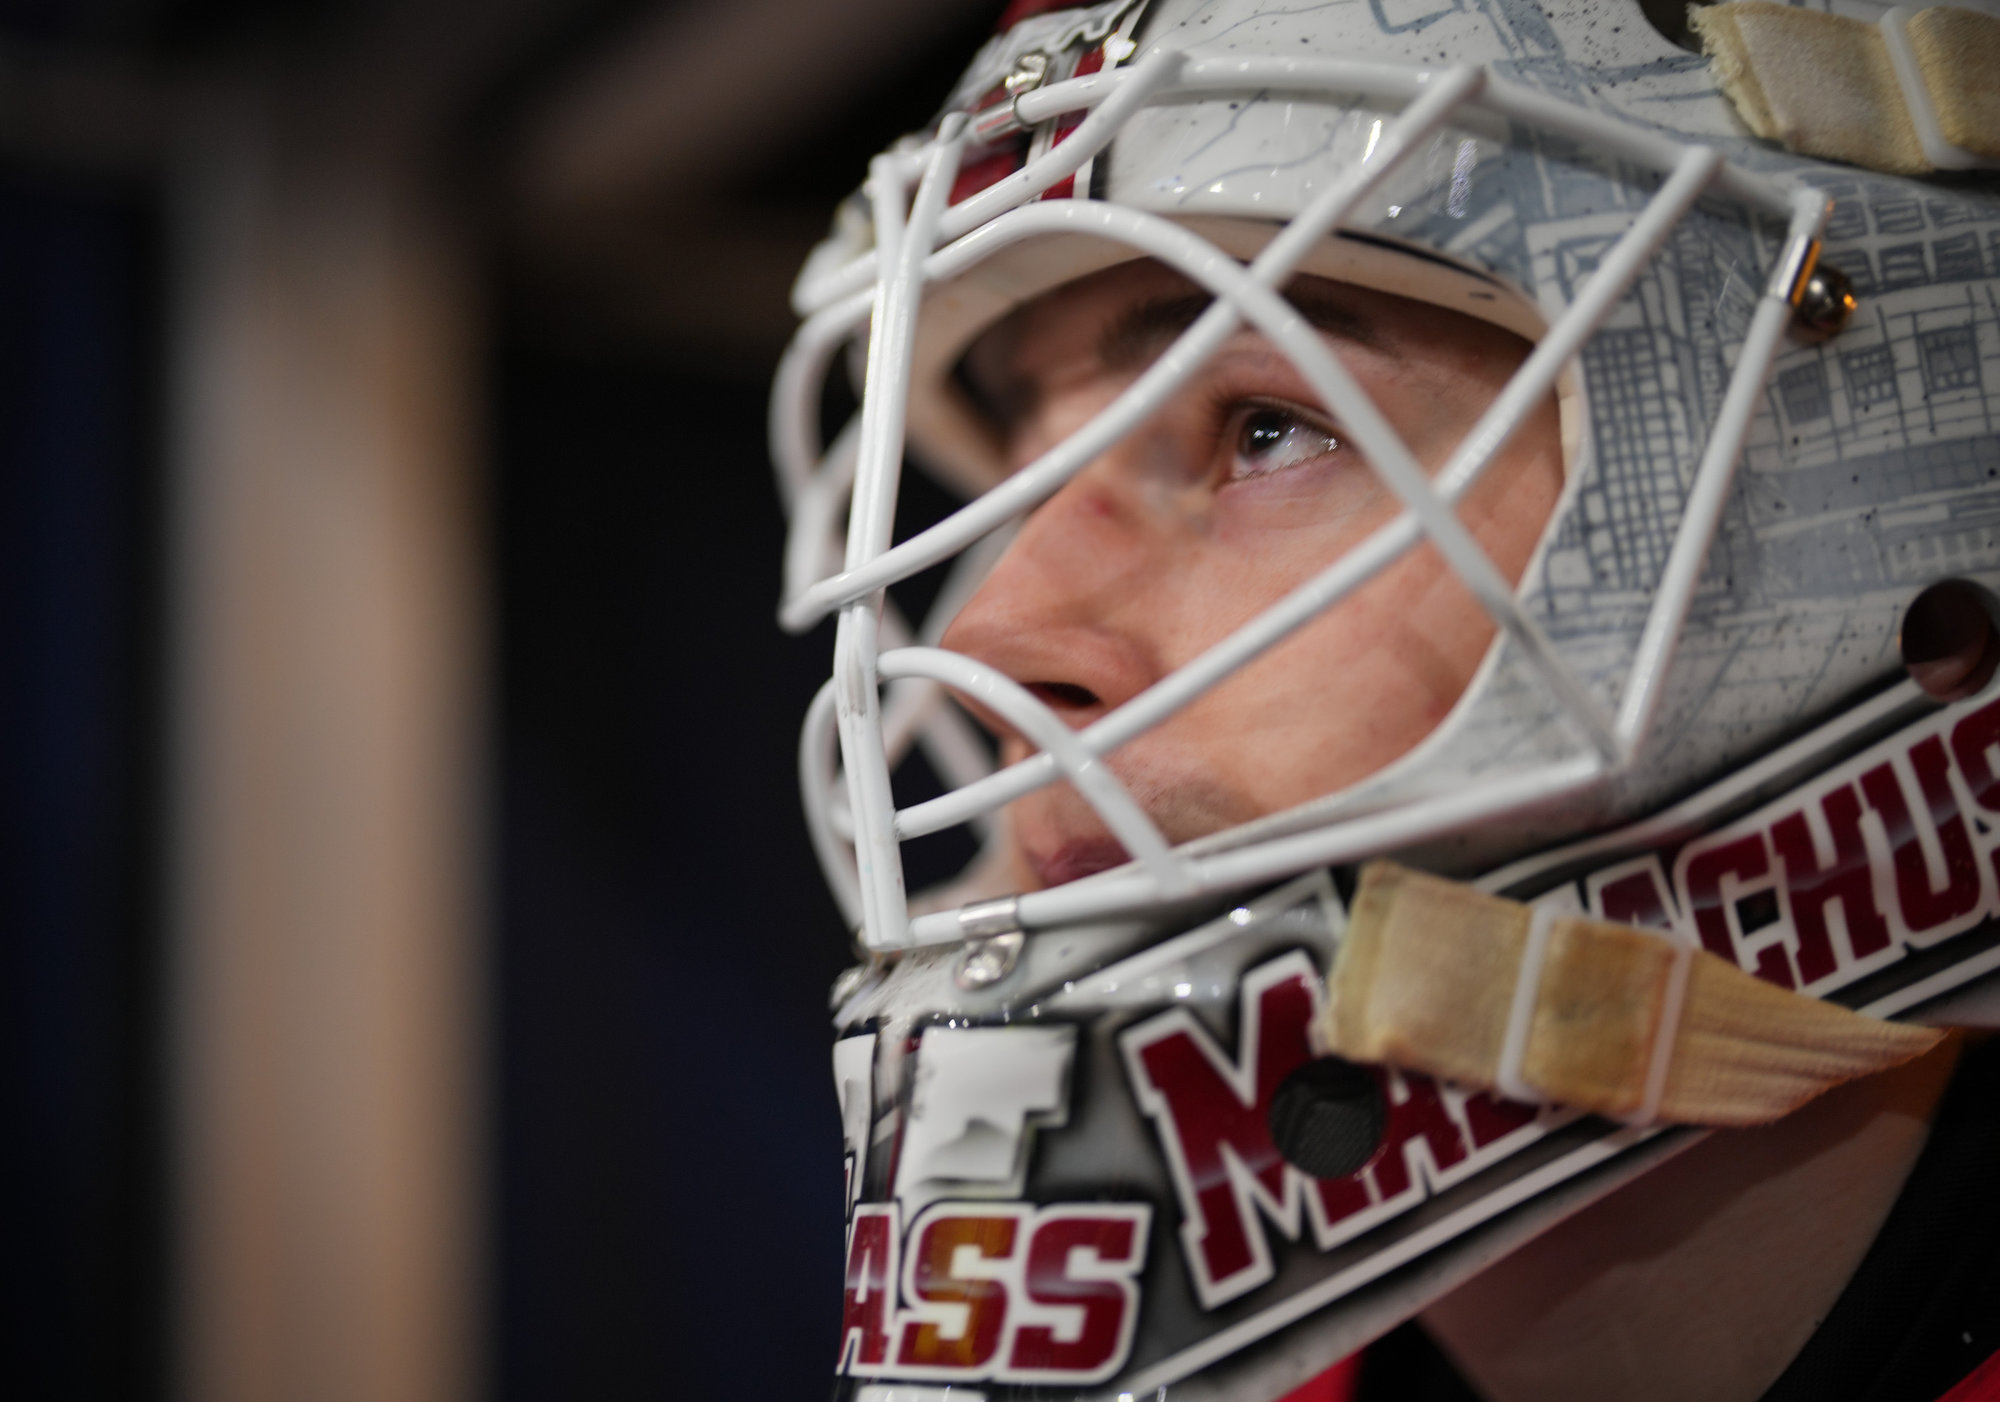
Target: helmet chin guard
1091 1150
1102 1163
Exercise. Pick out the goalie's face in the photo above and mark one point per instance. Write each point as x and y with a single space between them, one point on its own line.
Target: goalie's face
1236 493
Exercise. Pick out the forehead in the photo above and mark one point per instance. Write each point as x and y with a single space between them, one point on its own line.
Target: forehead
1118 318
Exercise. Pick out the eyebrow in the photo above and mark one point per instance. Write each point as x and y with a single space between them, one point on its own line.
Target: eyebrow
1139 333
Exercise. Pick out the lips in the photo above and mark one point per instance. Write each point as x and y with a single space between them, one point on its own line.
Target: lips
1076 859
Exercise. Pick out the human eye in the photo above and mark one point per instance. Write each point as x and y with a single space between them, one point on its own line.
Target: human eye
1267 438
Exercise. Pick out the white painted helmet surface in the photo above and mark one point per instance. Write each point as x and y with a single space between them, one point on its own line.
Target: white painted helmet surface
1712 612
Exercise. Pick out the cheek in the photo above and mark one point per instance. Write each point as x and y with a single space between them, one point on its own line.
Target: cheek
1526 484
1303 517
1256 543
1347 694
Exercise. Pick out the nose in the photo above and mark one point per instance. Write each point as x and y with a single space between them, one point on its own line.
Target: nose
1070 610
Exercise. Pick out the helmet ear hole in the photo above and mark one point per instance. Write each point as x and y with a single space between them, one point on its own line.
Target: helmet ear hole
1949 641
1327 1118
1669 17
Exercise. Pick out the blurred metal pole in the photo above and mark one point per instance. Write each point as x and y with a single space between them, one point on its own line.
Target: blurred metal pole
327 740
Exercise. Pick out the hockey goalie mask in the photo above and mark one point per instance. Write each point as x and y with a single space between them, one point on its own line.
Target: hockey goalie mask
1094 1145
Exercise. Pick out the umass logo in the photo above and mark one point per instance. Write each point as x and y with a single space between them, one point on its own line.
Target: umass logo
1883 872
1212 1112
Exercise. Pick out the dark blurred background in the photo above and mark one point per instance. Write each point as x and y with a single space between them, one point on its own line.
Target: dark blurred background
412 969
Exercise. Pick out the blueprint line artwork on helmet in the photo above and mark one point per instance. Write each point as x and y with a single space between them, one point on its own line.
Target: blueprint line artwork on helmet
1644 436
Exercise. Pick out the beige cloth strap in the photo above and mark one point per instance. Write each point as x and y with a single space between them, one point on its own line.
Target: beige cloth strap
1438 977
1916 93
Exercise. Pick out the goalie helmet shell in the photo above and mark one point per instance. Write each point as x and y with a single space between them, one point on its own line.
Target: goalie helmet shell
1588 140
1714 604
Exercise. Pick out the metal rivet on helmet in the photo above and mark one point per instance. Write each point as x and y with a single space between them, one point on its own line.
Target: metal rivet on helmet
1825 305
1029 73
987 961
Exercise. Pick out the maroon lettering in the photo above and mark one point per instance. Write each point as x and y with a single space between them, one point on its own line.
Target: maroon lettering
1746 859
871 1278
1847 878
995 1290
1491 1120
1973 741
1419 1117
1924 906
1104 1302
1212 1114
1635 899
1341 1198
934 1280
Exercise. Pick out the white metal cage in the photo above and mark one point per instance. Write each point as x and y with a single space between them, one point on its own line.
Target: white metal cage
856 732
